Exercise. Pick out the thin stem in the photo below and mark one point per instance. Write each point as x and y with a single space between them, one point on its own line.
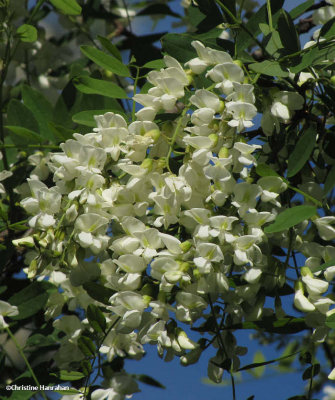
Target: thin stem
268 6
242 26
310 384
240 9
128 17
134 93
295 265
35 11
26 361
95 357
29 146
218 335
174 137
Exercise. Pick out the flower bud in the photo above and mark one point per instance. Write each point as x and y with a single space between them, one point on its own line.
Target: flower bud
185 246
184 341
190 75
214 138
154 134
146 299
224 152
147 164
305 271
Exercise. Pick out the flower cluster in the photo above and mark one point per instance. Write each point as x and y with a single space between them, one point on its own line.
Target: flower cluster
168 214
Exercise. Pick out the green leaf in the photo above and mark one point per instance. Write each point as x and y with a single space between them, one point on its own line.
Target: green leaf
301 9
60 133
259 360
69 375
27 135
178 45
22 395
325 265
315 55
27 33
67 7
265 170
20 115
328 29
87 117
302 151
110 63
98 292
31 299
285 325
155 64
87 346
311 371
148 380
244 39
273 43
96 318
40 107
109 46
87 367
288 34
158 9
290 217
260 364
330 321
68 392
271 68
40 341
98 86
212 15
18 226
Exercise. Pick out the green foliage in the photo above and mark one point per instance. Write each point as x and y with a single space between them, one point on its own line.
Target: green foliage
105 61
291 217
98 86
27 33
31 299
67 7
302 151
50 93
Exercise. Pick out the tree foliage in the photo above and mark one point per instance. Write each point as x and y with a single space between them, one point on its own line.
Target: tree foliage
167 189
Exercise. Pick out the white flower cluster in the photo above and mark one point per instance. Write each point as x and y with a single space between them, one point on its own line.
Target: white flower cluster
169 244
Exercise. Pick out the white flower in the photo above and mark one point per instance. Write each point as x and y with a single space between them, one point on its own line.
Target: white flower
205 99
325 228
242 113
225 74
206 57
6 310
284 103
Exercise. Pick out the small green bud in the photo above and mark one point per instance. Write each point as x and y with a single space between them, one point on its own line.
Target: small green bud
298 286
214 138
184 266
185 246
161 296
305 271
154 134
147 164
238 62
224 152
190 75
222 106
146 299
